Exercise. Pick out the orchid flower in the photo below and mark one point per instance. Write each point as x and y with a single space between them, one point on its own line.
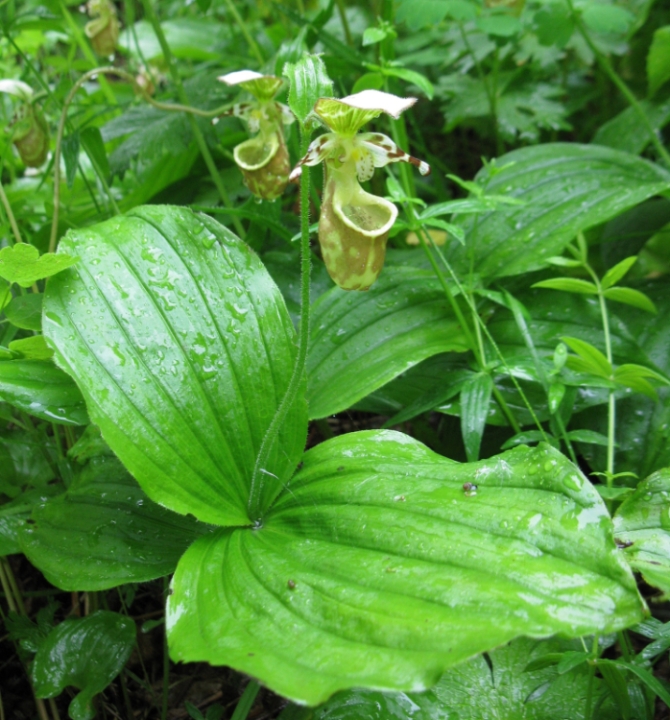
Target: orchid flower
103 29
29 129
263 159
354 225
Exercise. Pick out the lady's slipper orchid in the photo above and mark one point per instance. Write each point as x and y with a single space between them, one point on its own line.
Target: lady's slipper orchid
263 159
354 225
103 29
29 129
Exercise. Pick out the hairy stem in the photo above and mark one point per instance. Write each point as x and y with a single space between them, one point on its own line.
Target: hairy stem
297 376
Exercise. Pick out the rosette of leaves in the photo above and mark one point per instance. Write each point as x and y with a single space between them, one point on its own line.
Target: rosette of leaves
263 159
367 561
28 128
354 224
103 28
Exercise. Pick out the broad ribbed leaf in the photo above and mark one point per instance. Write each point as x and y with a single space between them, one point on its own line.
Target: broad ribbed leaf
378 568
567 188
104 532
360 341
43 390
14 514
183 349
502 686
643 520
85 652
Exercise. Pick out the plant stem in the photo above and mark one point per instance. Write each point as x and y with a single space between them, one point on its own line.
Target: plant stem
272 432
166 660
181 93
621 85
57 153
10 215
245 31
342 11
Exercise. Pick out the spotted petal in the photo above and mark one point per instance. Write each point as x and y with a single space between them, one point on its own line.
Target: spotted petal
317 152
381 150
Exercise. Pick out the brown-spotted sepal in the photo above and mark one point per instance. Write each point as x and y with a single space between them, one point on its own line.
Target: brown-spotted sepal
263 159
103 29
353 229
28 128
354 225
30 135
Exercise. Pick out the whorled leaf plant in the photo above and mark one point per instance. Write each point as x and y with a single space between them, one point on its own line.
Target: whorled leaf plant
368 561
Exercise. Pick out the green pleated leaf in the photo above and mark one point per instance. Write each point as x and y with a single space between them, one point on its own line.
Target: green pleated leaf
308 79
475 401
360 341
43 390
643 520
104 532
87 653
379 568
183 349
566 188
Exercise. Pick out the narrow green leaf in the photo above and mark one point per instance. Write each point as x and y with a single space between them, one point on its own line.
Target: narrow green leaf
183 351
647 678
616 273
561 261
589 354
71 157
571 660
588 436
526 437
642 525
475 401
360 341
658 60
380 549
567 188
411 76
618 687
573 285
368 81
41 389
629 296
308 81
92 142
105 532
23 265
25 311
87 653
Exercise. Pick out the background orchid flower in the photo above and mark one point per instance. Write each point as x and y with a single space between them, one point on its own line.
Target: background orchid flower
263 159
28 128
103 29
354 225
